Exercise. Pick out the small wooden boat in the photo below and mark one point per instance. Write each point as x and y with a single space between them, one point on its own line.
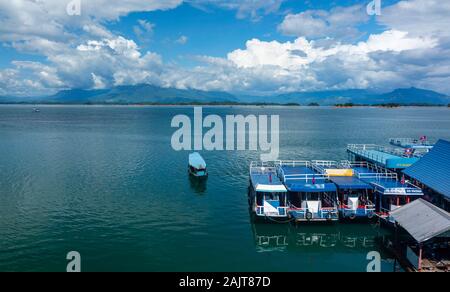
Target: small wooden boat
197 165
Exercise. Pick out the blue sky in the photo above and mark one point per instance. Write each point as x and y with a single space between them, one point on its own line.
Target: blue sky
215 31
241 46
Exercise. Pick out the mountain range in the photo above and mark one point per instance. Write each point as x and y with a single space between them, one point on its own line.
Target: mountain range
149 94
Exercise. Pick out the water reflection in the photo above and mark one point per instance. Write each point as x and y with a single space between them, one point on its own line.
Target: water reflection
198 184
270 237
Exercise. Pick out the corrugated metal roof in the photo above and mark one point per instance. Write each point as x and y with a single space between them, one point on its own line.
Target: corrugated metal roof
433 170
423 220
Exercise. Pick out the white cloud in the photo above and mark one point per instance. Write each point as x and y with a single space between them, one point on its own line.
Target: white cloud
80 52
98 82
182 40
305 65
258 53
29 78
22 19
339 22
302 52
418 17
144 29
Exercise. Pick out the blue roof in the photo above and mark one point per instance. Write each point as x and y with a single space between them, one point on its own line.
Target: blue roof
394 187
311 188
385 159
350 183
433 170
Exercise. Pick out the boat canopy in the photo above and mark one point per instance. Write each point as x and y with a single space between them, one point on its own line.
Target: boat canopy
311 188
351 183
271 188
196 161
396 188
267 182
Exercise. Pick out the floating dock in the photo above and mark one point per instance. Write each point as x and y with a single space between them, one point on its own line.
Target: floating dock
411 143
382 156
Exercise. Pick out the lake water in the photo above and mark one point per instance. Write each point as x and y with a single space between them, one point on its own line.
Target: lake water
104 181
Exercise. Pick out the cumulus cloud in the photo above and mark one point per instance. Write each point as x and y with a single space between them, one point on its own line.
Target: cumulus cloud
22 19
305 65
339 22
418 17
28 78
116 61
80 52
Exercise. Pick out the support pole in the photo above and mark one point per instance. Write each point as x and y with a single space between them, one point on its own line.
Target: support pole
420 257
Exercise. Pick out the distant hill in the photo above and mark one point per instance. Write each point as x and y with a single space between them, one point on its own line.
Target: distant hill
415 96
330 97
139 94
359 96
149 94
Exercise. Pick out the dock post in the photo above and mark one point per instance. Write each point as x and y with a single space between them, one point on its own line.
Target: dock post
420 257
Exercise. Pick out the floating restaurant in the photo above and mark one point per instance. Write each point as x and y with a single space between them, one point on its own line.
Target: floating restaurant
406 187
423 236
432 175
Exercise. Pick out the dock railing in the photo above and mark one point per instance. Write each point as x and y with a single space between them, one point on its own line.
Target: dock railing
376 172
294 163
378 176
322 165
364 164
306 177
260 167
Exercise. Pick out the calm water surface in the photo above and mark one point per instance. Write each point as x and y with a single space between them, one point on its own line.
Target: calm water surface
105 181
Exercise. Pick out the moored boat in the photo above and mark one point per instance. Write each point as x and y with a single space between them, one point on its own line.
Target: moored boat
390 193
355 196
311 196
267 194
197 165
